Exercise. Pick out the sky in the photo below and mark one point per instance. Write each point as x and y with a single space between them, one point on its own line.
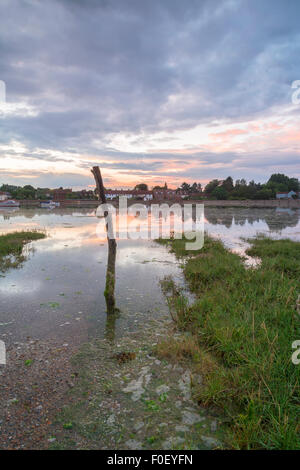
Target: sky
152 91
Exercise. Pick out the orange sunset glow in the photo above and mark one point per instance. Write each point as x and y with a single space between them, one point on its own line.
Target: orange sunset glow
167 111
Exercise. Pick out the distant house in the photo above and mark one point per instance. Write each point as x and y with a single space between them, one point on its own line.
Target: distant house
4 195
60 194
112 194
115 193
146 195
168 194
286 195
84 194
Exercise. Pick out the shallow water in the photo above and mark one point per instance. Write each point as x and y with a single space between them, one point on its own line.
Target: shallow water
58 292
234 225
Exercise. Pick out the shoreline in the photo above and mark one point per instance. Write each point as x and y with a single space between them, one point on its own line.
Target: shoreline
271 203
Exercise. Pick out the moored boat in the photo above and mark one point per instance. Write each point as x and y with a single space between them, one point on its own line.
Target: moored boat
9 203
49 204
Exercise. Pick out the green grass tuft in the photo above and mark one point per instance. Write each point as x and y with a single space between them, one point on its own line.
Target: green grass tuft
11 247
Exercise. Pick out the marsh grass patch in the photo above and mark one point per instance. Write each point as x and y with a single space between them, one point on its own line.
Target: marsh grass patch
245 320
11 247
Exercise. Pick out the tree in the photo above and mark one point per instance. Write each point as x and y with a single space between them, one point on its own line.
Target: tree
219 193
264 194
279 178
185 187
294 184
228 184
211 186
196 188
279 182
141 187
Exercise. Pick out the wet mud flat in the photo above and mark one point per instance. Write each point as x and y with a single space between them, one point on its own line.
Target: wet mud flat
102 395
126 398
33 388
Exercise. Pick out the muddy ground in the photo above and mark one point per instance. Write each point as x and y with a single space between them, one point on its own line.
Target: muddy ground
105 395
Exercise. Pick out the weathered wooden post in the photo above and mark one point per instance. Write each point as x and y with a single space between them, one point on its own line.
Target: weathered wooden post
110 327
109 292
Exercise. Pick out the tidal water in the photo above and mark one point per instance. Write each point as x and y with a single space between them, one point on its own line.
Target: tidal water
58 291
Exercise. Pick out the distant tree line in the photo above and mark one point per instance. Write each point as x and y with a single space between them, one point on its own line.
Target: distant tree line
24 192
215 189
29 192
227 189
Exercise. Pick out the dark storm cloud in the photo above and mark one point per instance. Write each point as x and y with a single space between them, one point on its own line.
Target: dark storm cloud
94 68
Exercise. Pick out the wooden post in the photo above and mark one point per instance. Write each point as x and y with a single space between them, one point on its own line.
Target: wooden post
109 292
99 184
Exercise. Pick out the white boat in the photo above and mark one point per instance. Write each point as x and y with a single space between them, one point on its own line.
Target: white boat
49 204
9 203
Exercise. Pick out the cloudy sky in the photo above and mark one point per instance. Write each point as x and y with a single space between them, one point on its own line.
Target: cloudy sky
151 90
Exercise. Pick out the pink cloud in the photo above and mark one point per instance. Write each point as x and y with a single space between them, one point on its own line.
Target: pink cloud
228 133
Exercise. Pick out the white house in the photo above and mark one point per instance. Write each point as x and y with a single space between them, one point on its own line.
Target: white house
286 195
148 196
4 196
115 193
129 194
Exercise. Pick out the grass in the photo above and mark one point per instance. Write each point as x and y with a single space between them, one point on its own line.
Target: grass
11 247
181 349
243 323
